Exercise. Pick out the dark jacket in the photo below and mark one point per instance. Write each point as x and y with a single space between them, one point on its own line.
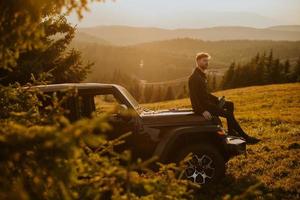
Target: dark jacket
201 99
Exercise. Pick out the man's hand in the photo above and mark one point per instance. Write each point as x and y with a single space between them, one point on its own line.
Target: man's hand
207 115
222 102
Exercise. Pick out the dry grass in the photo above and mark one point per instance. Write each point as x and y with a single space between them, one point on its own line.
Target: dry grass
271 113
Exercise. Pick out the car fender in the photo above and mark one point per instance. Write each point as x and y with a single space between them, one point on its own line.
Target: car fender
166 143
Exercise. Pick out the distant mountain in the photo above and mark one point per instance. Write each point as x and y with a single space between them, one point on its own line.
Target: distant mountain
286 28
126 35
175 18
82 37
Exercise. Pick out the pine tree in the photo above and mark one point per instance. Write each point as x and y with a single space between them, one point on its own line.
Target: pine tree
236 79
275 72
148 93
257 58
169 94
296 73
286 76
214 83
265 75
258 70
228 77
183 93
21 29
53 62
186 92
136 91
157 94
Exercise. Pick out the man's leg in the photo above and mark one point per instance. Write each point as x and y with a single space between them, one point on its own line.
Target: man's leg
231 121
233 124
229 106
222 112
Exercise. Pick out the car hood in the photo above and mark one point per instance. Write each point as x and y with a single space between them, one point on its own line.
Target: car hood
173 117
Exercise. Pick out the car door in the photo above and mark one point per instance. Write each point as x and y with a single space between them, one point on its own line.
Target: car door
120 122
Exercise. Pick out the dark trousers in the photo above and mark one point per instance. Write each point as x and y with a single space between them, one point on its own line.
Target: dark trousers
227 111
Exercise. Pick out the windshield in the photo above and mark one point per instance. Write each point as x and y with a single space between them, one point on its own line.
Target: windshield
129 97
132 101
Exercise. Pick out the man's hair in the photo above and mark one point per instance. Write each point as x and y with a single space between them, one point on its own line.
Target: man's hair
202 55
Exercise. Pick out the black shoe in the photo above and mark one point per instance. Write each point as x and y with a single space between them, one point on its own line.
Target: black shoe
252 140
233 133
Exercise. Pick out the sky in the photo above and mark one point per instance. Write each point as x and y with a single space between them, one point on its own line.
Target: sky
191 13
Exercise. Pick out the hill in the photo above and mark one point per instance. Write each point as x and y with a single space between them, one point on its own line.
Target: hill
271 113
127 35
286 28
82 38
174 59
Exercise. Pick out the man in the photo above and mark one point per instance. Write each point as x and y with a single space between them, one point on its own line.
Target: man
206 104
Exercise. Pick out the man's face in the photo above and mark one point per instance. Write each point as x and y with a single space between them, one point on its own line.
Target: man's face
203 63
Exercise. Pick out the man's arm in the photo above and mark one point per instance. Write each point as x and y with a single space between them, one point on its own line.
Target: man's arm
196 96
213 98
199 99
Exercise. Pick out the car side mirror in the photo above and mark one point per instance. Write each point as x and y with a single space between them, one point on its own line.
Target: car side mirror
124 112
121 110
123 107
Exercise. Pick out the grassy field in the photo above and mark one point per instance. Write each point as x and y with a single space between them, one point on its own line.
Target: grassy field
271 113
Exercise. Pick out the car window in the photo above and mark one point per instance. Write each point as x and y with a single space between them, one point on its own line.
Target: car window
129 97
106 103
86 105
69 104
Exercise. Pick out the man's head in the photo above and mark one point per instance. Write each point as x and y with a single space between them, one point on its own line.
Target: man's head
202 60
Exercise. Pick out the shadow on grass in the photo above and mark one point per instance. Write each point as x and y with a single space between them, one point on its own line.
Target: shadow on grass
246 187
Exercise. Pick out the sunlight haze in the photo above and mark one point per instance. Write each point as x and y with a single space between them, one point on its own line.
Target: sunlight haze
191 13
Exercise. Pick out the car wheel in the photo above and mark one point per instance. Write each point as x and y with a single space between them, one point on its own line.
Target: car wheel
205 166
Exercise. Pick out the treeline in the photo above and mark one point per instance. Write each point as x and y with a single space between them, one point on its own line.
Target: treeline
262 69
147 93
150 93
153 93
173 59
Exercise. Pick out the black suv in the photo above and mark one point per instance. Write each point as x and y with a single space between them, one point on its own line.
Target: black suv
168 134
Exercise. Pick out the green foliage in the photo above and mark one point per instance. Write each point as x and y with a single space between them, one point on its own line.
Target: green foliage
44 156
296 74
260 70
20 28
169 94
158 94
228 77
212 82
53 62
148 93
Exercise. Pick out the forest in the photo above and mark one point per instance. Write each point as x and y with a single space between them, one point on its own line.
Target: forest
176 58
261 70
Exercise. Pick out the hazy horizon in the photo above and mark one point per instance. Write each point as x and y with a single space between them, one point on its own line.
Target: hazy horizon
191 13
174 28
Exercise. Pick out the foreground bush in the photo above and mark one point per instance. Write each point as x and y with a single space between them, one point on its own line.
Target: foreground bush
52 162
50 158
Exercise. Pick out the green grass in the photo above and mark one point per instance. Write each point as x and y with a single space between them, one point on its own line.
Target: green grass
271 113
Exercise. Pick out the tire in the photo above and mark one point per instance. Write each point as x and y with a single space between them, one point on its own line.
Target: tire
206 166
